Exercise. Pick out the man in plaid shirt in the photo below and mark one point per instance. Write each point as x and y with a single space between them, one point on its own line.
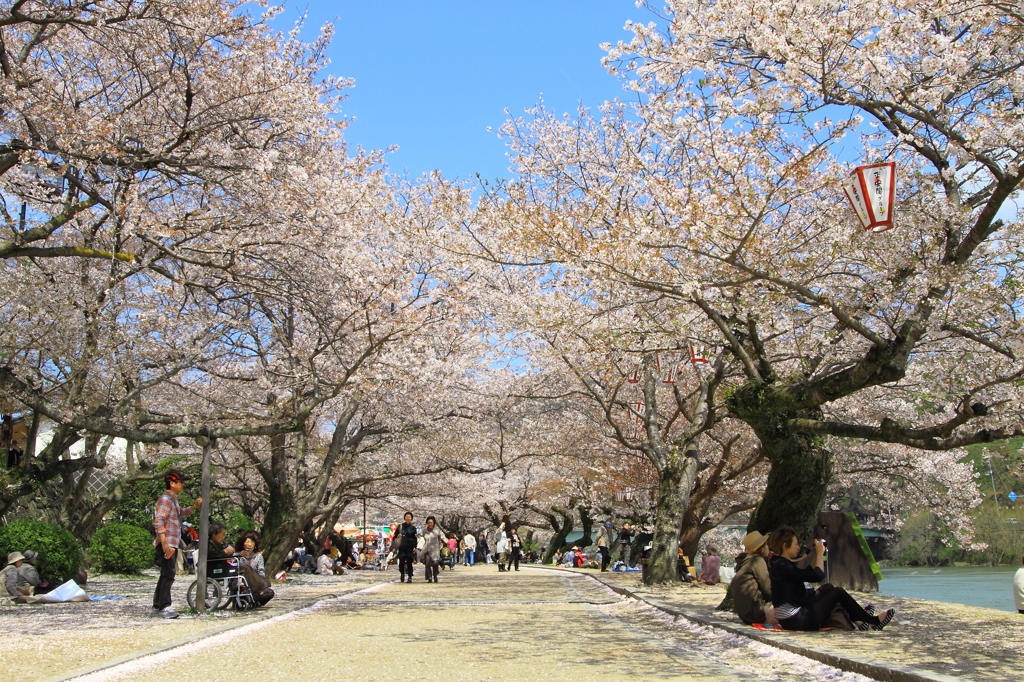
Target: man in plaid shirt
167 524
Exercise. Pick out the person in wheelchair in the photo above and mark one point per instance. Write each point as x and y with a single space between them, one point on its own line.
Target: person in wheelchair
258 587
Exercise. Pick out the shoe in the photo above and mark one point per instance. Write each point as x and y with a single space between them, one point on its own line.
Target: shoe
870 608
167 613
861 625
884 619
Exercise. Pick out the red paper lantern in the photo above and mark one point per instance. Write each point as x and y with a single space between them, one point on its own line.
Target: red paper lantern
698 355
669 362
870 190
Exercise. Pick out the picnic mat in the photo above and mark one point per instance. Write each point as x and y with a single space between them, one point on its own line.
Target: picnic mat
69 591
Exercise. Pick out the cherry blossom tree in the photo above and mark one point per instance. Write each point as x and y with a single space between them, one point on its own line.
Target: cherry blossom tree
719 192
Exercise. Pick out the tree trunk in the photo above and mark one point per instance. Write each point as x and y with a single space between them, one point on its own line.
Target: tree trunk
561 533
690 535
800 464
796 487
587 522
674 484
281 526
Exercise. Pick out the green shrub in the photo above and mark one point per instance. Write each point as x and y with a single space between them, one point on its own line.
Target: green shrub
121 548
59 552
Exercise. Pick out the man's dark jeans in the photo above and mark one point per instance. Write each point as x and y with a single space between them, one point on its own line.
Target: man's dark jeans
162 597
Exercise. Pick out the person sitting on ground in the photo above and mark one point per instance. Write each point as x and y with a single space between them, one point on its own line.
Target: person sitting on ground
683 567
325 564
751 586
9 579
800 608
28 576
308 562
709 566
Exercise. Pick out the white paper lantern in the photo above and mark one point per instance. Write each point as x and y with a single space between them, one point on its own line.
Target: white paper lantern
870 190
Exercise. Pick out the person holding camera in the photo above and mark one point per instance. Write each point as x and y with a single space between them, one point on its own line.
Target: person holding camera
798 607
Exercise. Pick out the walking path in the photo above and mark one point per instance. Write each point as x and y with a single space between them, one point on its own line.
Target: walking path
477 624
931 637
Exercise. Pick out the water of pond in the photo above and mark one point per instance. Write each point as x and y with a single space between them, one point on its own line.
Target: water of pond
988 586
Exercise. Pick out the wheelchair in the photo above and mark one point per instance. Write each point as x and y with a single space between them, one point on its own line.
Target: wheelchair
224 582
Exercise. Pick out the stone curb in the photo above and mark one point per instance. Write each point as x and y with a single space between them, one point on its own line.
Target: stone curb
877 670
189 639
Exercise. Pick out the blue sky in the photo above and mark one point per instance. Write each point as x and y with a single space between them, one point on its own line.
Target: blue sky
432 76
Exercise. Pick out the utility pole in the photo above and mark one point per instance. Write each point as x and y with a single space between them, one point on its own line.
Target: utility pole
995 495
204 520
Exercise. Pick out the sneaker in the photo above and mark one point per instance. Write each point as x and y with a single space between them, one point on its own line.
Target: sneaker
884 619
165 613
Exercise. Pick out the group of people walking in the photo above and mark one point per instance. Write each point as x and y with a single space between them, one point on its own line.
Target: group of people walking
770 586
425 545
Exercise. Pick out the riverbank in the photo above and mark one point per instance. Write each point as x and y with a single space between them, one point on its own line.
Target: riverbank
983 586
966 642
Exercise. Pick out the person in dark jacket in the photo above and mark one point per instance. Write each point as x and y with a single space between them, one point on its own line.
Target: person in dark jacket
515 549
751 586
406 537
798 607
625 541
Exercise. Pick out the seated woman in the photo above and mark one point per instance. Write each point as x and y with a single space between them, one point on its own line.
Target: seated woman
751 586
709 567
259 587
798 607
252 551
325 564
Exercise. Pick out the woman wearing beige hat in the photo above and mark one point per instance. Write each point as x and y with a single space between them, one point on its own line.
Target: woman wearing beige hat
751 586
9 578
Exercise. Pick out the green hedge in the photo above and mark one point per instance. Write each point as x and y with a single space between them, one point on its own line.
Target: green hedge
59 552
121 548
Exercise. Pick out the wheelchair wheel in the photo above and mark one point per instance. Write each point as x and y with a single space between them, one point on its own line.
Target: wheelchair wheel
213 594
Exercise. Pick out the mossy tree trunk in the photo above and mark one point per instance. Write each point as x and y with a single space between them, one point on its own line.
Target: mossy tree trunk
801 465
674 483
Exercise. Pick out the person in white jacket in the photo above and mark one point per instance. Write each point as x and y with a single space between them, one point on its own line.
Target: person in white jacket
501 546
1018 588
468 549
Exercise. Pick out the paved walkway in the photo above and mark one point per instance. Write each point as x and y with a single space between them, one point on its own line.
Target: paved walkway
477 624
51 641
